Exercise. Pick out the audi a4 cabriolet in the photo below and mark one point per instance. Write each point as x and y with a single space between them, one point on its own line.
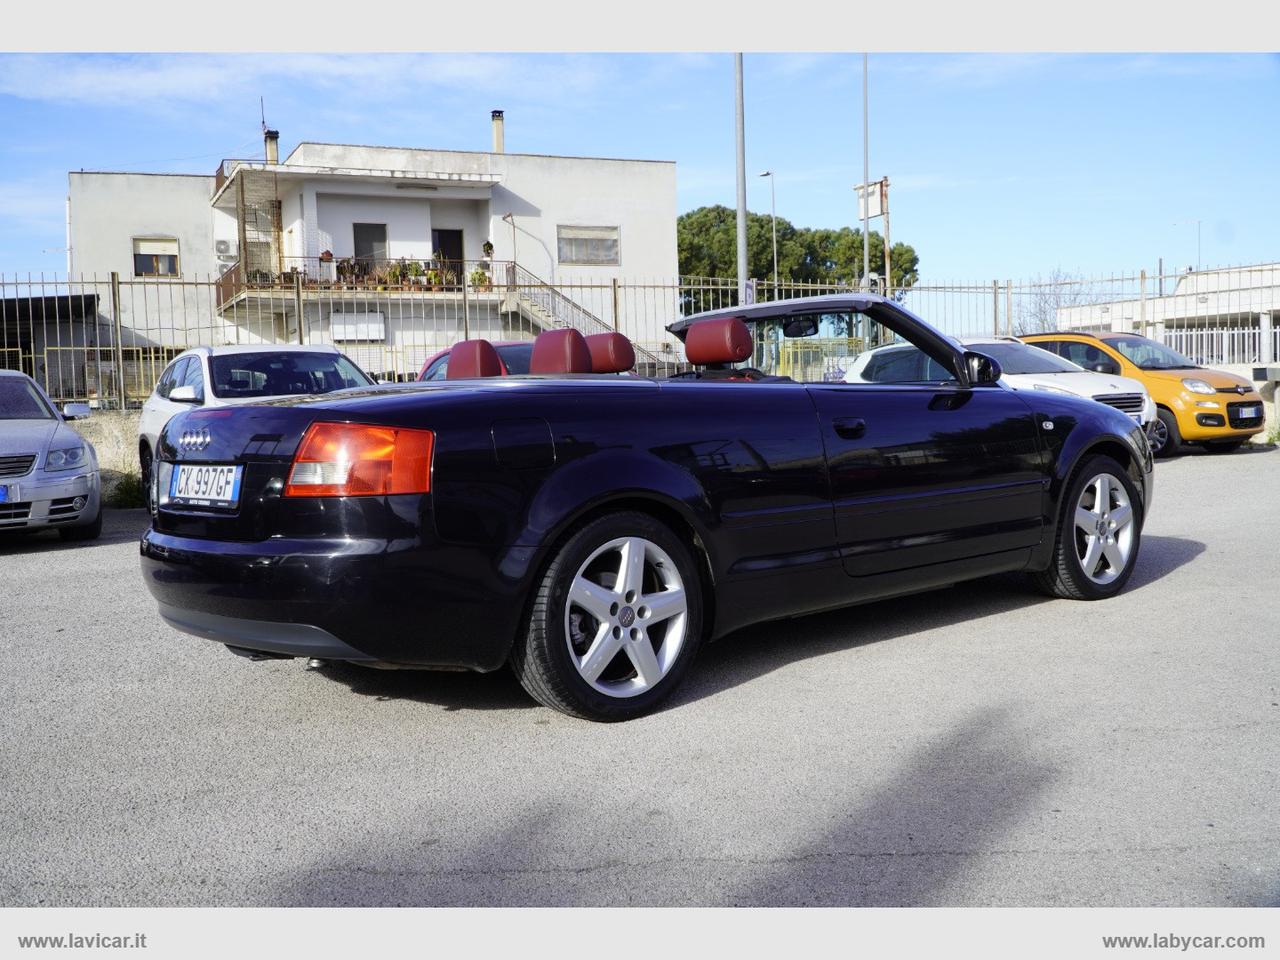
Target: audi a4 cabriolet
592 530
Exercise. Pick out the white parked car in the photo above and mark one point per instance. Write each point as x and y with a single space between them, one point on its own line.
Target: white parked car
222 376
1023 367
48 473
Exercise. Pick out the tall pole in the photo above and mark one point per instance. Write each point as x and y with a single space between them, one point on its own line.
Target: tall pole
887 286
866 177
773 217
742 182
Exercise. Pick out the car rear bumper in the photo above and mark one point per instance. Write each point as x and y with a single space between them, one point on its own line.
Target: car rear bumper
392 601
264 636
37 502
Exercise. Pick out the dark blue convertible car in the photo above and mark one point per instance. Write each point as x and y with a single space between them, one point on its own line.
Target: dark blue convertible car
592 527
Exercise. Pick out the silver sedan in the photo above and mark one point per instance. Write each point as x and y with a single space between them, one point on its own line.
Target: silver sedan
48 472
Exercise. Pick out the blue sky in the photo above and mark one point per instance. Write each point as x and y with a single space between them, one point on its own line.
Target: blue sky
1002 165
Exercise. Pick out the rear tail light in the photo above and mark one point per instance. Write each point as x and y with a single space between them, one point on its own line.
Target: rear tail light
360 460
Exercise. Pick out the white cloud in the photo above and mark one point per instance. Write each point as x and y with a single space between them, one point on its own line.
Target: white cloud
164 82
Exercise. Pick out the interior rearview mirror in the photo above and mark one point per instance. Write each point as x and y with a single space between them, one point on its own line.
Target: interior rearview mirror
75 411
983 370
800 327
184 394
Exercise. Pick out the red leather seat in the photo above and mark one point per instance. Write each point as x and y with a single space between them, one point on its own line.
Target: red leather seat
473 358
560 351
611 353
718 342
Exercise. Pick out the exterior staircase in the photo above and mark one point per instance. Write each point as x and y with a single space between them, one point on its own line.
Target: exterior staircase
549 309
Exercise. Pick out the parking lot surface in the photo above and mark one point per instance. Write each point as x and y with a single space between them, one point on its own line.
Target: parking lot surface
979 745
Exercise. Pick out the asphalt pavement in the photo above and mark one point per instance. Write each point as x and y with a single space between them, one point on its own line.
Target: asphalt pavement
974 746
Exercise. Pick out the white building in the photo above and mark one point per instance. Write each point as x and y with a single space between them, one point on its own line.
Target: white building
376 248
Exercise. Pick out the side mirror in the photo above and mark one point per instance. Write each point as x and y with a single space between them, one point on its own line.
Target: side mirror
1105 366
184 394
75 411
983 370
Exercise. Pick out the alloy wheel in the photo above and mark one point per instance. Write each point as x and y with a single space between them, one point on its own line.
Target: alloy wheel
625 617
1158 435
1104 528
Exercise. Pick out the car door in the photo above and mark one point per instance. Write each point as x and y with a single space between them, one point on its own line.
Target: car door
928 472
159 408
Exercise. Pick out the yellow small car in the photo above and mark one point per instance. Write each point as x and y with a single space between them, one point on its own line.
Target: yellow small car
1193 404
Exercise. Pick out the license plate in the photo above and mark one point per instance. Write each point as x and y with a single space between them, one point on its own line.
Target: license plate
1245 413
205 485
4 493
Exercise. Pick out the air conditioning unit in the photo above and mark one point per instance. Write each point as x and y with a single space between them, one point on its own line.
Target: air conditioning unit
225 249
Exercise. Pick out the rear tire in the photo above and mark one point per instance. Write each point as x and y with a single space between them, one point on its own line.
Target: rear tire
1165 438
1098 535
615 622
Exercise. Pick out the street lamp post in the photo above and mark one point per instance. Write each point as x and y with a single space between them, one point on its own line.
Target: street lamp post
773 217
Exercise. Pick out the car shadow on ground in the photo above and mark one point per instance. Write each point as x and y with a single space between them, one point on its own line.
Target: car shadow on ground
118 526
913 837
754 651
449 690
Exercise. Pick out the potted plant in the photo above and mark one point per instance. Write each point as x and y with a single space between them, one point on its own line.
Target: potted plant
434 280
480 280
346 272
396 273
414 271
487 247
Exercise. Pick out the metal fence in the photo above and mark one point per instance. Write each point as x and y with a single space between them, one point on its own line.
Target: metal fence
105 340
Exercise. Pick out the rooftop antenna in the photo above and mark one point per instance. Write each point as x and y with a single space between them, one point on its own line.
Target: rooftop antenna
262 108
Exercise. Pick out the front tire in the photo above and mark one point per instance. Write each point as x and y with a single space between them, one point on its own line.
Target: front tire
1098 536
88 531
615 622
1165 437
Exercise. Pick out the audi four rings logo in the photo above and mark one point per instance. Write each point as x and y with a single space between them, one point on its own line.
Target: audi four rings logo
194 439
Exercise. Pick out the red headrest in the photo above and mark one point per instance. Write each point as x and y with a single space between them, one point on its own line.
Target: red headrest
718 341
560 351
473 358
610 353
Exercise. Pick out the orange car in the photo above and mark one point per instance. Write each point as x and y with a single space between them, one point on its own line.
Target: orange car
1193 404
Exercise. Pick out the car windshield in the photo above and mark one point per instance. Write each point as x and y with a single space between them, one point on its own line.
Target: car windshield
837 347
516 358
20 400
1018 358
1149 355
280 373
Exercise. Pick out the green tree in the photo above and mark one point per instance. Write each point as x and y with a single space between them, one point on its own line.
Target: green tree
707 240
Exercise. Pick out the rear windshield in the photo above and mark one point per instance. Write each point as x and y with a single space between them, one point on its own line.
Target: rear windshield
275 374
20 400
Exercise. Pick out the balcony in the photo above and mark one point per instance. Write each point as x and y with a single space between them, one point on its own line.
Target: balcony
314 275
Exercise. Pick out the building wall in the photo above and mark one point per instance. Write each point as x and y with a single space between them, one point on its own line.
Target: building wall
540 193
108 210
408 221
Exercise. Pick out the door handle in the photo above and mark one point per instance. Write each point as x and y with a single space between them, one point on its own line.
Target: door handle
851 428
